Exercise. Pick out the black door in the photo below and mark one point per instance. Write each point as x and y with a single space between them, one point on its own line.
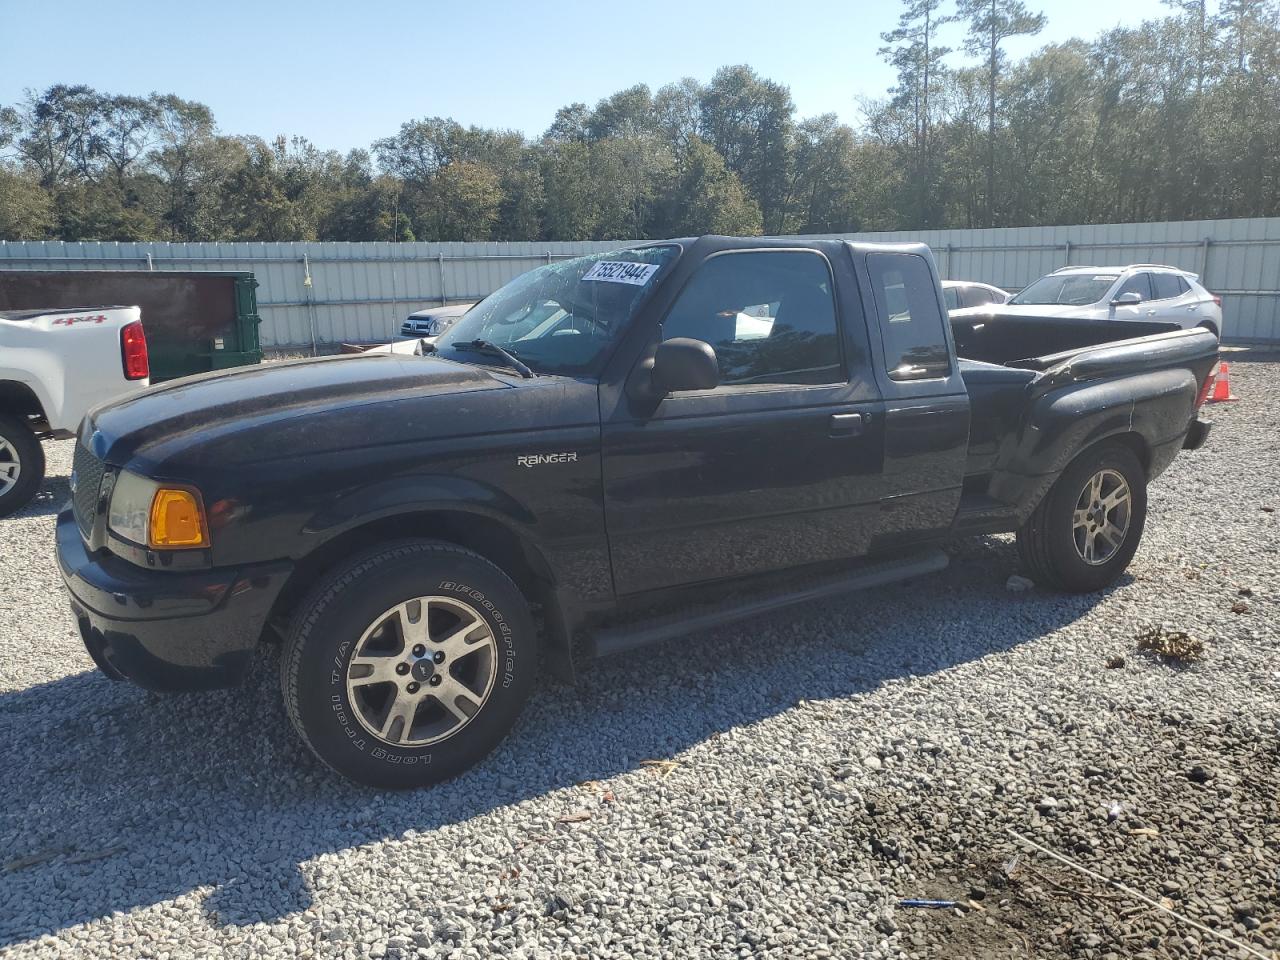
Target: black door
779 465
926 404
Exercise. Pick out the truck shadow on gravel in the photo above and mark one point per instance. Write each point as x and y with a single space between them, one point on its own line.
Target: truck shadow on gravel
117 799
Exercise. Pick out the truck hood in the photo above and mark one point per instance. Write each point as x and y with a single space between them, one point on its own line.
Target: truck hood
280 409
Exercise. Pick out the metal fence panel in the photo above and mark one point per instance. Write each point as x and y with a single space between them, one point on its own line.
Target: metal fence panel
323 292
1237 259
328 292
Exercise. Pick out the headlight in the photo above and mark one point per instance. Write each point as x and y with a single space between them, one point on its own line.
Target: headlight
130 512
160 516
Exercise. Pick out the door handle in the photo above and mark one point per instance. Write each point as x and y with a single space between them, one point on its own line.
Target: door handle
847 424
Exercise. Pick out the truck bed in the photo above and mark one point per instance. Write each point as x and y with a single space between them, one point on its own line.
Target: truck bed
65 360
1035 343
1013 366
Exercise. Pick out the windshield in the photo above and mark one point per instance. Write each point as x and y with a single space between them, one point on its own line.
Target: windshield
1075 289
561 318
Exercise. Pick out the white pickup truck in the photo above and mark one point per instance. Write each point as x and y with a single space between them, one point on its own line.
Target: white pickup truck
55 365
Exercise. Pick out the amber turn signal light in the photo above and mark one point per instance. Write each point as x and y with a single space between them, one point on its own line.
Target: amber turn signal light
177 519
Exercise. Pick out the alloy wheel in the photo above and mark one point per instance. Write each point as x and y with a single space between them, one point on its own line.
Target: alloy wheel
422 671
10 466
1101 518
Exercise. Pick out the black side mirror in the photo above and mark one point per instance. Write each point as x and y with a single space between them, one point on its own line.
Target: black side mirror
1127 299
684 364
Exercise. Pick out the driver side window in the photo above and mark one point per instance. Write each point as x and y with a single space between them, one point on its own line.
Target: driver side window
769 315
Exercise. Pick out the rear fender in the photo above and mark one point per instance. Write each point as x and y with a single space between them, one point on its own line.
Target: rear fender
1162 415
70 360
1062 423
1055 430
1150 411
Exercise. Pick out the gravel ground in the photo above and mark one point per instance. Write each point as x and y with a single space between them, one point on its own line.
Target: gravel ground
771 791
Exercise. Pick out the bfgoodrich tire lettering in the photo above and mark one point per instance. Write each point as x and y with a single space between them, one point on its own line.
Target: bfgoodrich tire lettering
334 702
1069 541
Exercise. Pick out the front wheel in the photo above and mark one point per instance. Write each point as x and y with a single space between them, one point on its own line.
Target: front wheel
408 665
1087 528
21 464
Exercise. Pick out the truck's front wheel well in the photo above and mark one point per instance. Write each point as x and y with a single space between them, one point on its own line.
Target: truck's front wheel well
489 538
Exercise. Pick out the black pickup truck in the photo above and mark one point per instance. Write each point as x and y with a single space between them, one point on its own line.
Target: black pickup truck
606 452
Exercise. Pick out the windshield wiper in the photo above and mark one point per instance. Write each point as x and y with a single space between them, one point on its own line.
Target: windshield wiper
486 346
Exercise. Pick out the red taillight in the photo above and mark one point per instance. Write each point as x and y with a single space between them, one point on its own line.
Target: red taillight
1207 386
133 351
1217 299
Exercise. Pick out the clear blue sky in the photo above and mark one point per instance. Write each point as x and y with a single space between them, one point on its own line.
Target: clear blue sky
346 73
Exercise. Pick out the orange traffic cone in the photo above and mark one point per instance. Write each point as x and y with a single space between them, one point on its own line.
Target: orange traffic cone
1222 386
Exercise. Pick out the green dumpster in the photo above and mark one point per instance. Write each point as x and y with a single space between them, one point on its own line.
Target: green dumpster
195 322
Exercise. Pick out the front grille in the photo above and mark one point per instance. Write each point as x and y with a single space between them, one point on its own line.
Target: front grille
86 471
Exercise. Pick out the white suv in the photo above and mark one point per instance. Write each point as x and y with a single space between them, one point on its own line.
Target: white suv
1140 291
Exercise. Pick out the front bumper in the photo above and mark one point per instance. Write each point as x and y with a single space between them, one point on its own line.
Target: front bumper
1197 434
166 631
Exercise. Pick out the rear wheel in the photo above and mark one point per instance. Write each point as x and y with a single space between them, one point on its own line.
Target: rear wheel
1087 528
408 665
21 464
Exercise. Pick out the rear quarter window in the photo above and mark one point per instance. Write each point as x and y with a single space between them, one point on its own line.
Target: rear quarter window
1166 286
911 322
1139 283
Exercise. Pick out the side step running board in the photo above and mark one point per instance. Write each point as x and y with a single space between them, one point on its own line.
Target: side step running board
618 639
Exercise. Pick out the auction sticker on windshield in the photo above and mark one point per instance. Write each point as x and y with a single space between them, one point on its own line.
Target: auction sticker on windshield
622 271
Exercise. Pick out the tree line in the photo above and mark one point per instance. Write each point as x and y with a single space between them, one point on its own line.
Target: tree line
1178 118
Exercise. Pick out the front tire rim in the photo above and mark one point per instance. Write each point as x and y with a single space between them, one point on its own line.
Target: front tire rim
422 671
10 466
1101 518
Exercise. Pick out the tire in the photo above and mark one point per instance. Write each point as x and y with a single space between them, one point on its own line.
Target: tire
1050 542
21 464
362 693
1210 326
